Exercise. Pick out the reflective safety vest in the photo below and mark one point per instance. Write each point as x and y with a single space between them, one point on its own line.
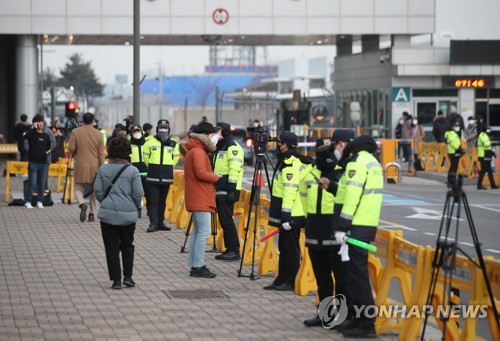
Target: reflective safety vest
453 141
361 190
483 144
161 159
137 159
318 205
285 196
104 136
228 162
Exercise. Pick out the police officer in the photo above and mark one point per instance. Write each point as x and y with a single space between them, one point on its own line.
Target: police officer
161 154
228 162
286 210
359 201
455 152
102 131
146 128
137 141
485 155
319 206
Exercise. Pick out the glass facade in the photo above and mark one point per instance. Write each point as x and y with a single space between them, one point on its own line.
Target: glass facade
374 111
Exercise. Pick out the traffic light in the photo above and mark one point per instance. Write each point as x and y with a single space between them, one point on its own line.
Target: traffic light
71 109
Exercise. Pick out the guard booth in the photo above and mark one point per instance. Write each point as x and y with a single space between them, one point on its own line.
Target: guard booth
294 111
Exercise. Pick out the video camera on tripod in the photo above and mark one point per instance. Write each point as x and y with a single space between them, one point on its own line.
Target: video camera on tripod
261 137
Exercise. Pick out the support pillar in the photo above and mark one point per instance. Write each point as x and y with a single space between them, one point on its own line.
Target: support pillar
26 76
344 45
370 42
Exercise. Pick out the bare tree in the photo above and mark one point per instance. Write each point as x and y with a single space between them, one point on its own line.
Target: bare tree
204 87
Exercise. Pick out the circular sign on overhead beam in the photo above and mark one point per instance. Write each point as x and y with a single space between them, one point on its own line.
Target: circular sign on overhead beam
220 16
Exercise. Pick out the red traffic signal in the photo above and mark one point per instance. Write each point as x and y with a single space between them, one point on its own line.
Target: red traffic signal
71 108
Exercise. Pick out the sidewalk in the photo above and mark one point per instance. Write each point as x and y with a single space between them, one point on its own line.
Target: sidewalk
54 285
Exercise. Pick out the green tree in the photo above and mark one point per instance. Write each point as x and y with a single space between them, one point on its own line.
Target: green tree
78 73
49 78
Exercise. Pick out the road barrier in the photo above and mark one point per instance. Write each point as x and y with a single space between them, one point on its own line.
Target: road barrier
57 170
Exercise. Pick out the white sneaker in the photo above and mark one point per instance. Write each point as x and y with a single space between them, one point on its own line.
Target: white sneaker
28 205
39 205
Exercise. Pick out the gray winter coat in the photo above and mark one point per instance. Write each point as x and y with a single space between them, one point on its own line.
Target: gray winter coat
121 204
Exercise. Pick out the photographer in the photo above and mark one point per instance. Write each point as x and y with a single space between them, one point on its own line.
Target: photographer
286 210
228 162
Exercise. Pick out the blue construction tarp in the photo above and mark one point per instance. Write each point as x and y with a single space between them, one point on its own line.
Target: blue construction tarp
199 90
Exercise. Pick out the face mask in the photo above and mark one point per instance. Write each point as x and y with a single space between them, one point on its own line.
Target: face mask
401 121
136 135
214 139
488 131
163 134
256 125
457 129
415 122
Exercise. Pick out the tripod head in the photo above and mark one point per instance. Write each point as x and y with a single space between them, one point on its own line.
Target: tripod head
455 183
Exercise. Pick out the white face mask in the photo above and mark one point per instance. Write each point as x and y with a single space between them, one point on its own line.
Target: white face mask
163 130
401 121
214 138
488 131
415 122
136 135
457 129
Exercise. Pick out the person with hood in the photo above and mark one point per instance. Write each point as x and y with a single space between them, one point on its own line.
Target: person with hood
160 154
439 127
20 129
137 141
455 151
199 192
228 162
357 211
286 211
485 155
319 206
470 132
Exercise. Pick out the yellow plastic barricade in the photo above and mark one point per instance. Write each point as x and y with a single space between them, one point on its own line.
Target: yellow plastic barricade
243 214
428 154
176 194
305 280
493 270
388 151
262 227
13 167
443 158
58 170
268 261
465 279
405 260
383 242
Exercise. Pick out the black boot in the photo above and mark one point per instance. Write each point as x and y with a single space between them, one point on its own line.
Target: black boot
314 322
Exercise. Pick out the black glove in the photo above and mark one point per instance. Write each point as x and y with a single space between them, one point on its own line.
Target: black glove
139 213
231 197
494 154
459 151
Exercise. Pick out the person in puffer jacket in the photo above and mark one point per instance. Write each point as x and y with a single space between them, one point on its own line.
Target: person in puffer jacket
119 210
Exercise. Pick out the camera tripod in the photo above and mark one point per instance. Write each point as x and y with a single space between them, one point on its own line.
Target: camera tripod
69 175
254 205
213 219
446 249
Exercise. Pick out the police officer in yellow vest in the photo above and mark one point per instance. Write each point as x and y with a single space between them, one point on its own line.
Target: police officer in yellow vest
485 155
146 130
227 161
455 152
161 154
286 210
102 131
137 142
358 204
319 205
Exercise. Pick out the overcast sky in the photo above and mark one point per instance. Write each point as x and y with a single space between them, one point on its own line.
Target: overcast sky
109 61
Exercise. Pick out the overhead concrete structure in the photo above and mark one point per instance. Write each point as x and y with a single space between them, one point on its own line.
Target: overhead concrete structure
348 24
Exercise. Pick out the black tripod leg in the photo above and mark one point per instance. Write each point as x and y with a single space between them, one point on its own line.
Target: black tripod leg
482 265
214 231
245 239
188 230
252 275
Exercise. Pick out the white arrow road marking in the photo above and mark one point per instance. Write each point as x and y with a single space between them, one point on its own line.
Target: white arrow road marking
426 213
